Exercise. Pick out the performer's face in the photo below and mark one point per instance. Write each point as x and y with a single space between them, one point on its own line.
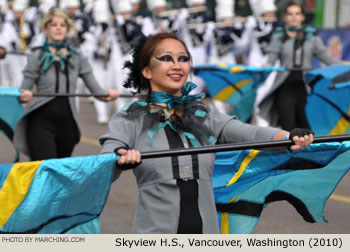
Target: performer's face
56 30
169 67
294 16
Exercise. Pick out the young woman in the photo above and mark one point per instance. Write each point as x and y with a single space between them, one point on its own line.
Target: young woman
49 128
175 193
294 45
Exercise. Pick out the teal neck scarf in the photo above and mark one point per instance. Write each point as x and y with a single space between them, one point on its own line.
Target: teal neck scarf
48 57
293 29
171 100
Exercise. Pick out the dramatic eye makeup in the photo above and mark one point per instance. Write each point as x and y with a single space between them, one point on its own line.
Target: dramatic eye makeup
183 58
168 58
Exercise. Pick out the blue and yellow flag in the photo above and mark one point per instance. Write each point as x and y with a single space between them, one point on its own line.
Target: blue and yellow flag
67 195
235 84
328 103
11 111
246 181
55 196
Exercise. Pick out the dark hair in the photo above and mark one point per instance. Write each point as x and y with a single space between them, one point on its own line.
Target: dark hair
292 4
141 58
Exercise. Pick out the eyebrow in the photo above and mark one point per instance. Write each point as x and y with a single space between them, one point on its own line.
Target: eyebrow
161 51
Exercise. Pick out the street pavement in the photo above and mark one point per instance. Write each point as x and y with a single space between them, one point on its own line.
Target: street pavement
117 217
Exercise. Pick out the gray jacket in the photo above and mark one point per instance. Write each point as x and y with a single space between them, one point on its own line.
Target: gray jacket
44 82
284 52
158 204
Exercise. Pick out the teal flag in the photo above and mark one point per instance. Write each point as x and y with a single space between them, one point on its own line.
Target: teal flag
245 182
328 102
55 196
68 195
11 111
235 84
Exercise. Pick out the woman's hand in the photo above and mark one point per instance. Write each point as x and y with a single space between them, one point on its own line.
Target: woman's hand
300 137
301 142
129 159
2 52
26 96
112 95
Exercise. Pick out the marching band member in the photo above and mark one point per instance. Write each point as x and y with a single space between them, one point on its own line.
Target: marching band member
99 45
17 35
126 30
175 194
261 34
81 22
294 45
223 38
196 38
49 129
3 65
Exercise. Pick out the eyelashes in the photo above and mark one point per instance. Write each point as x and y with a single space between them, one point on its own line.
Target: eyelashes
168 58
183 58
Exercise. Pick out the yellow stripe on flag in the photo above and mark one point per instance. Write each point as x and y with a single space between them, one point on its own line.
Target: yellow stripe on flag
341 126
223 65
225 93
225 226
252 154
236 69
15 188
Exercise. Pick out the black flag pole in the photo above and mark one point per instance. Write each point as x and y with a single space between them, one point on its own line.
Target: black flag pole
77 95
238 146
279 69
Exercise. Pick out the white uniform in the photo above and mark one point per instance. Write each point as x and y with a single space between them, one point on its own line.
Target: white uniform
99 46
14 37
257 56
3 11
222 39
196 38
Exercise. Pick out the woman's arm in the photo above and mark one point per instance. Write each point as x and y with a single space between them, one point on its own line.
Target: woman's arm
120 139
30 76
227 129
31 72
301 139
273 50
321 52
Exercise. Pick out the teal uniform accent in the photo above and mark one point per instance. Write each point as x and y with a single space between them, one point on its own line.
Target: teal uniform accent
127 105
170 100
48 58
200 113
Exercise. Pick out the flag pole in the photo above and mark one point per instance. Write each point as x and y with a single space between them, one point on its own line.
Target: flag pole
339 85
17 53
231 22
238 146
77 95
238 69
175 12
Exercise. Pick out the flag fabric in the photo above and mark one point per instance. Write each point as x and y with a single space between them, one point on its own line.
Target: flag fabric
328 102
67 195
235 84
56 195
245 182
11 111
